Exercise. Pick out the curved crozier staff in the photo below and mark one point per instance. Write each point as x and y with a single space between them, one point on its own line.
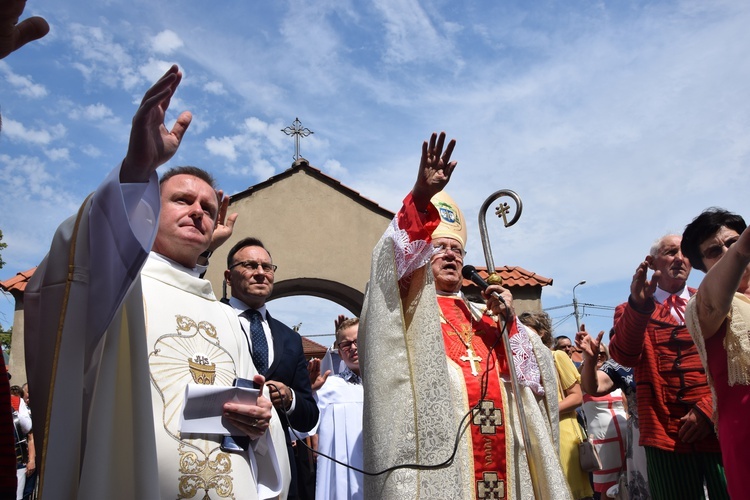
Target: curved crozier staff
502 211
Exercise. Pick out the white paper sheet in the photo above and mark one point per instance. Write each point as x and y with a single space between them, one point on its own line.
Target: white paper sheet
202 409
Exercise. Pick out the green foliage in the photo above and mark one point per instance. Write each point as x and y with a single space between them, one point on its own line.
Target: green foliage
5 338
2 247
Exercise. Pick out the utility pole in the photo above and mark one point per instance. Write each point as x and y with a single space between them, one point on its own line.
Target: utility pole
575 306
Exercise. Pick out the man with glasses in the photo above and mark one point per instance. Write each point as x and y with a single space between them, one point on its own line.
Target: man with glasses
674 400
275 348
341 399
437 373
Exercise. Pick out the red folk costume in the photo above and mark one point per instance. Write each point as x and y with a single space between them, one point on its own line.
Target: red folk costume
670 379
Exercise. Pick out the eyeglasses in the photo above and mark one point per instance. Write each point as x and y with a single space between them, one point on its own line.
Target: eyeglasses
715 251
602 354
443 249
346 345
564 347
252 265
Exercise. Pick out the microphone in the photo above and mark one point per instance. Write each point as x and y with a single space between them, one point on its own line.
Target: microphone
469 272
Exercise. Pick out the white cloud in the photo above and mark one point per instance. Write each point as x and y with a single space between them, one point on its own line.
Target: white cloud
214 87
222 146
58 154
91 151
100 58
263 169
24 85
154 69
93 112
411 35
16 131
166 42
334 169
27 175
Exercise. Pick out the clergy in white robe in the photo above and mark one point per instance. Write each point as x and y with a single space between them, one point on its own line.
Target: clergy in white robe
340 401
114 333
430 356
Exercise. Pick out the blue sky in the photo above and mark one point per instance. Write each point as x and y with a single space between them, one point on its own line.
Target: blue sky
616 122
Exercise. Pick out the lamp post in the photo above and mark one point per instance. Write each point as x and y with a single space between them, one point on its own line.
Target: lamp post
575 306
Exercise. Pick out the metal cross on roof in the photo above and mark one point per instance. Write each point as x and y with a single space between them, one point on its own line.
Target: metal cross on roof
297 130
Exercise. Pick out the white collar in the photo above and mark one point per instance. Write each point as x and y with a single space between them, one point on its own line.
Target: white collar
194 272
661 295
240 307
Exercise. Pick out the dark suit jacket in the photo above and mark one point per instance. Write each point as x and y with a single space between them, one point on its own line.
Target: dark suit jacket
290 367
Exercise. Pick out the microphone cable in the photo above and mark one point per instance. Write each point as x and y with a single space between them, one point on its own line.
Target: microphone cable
462 426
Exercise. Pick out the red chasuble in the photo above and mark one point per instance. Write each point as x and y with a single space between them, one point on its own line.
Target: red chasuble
488 420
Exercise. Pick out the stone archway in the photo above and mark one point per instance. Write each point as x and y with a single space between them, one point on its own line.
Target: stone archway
341 294
319 232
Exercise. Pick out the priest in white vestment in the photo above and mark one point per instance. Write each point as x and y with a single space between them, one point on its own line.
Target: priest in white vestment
118 322
340 400
436 366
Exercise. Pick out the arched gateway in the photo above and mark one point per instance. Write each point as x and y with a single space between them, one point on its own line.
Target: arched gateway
319 232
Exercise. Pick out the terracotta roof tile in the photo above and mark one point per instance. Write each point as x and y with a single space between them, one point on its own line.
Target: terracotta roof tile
18 282
514 276
313 349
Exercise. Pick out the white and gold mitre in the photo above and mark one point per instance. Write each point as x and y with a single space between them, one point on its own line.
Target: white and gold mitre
451 219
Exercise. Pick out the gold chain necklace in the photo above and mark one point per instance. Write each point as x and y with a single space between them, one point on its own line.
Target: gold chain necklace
466 335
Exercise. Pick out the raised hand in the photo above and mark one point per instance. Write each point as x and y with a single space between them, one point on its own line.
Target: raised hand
151 144
316 379
224 225
14 35
337 322
641 289
435 169
588 345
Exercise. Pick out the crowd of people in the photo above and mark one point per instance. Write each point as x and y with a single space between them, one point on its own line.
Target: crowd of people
460 399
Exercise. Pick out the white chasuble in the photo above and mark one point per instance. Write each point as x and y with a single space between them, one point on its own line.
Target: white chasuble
416 401
193 339
99 431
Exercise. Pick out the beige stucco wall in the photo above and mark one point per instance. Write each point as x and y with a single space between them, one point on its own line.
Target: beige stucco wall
313 231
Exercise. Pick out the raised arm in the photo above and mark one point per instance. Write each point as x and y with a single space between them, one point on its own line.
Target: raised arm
435 169
14 35
412 227
151 144
593 381
727 276
632 318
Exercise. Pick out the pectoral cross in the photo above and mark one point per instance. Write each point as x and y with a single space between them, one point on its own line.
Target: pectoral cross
473 359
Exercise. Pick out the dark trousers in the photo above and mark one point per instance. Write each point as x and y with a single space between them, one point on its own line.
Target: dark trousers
681 475
305 462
